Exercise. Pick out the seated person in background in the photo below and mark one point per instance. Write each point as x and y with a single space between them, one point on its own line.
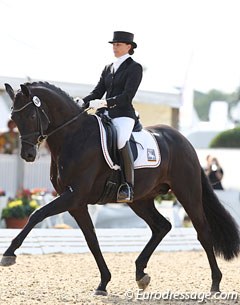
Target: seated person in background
9 139
214 172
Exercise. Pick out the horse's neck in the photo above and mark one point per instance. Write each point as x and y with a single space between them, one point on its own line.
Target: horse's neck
60 107
60 113
57 141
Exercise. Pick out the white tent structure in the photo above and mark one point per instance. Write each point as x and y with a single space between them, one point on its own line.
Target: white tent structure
170 98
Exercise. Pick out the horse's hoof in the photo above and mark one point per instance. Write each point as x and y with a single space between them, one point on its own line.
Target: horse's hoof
8 261
214 290
100 292
144 282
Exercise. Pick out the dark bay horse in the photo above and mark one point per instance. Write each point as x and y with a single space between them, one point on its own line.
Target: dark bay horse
79 174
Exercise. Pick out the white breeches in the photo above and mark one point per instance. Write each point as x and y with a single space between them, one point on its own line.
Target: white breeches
124 127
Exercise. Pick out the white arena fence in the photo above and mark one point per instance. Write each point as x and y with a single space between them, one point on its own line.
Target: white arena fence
16 173
8 173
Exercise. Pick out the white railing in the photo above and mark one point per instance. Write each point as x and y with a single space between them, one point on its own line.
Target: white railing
16 173
231 202
37 174
8 173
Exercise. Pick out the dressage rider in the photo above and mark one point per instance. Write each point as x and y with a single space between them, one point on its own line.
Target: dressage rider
120 81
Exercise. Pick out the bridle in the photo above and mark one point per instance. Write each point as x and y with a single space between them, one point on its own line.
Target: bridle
36 102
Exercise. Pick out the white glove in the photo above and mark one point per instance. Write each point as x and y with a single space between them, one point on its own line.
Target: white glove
95 104
79 101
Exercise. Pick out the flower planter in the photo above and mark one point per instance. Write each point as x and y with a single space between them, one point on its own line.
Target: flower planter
16 223
18 209
3 204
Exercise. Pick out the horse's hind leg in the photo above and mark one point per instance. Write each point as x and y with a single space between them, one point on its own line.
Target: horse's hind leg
194 208
159 226
84 221
204 237
57 206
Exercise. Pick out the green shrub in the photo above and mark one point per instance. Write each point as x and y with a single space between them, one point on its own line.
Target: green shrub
228 139
168 196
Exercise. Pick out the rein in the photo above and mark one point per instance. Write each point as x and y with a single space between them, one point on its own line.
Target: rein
41 136
67 123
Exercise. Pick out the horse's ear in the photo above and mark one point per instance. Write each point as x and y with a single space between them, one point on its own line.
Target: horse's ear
10 91
25 90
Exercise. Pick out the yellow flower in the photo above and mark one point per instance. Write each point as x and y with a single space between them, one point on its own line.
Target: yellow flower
15 203
33 204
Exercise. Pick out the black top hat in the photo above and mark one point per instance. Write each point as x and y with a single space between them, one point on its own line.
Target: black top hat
120 36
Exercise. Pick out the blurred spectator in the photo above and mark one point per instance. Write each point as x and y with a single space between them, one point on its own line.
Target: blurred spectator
2 192
9 139
214 172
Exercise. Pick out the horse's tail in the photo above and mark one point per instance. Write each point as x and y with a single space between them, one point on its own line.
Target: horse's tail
225 231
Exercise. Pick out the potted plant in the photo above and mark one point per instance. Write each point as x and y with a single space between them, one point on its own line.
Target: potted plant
3 203
18 210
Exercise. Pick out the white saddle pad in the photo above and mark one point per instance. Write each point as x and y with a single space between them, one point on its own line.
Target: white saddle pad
148 150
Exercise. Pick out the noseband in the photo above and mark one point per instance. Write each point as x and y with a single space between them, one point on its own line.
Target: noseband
41 136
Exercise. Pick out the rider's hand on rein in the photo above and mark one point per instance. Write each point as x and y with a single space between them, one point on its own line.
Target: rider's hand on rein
96 104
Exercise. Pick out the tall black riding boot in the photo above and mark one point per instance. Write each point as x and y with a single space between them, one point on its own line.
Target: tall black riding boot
125 191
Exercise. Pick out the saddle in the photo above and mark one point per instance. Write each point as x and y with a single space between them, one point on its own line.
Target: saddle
144 148
111 134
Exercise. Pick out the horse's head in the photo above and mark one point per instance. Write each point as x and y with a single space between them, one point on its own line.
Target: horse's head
31 119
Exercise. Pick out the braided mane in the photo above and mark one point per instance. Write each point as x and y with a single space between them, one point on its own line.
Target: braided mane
49 86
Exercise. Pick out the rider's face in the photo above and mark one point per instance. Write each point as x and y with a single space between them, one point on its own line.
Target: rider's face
120 48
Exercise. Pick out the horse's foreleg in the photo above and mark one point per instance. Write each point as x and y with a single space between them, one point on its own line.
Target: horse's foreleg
160 226
57 206
84 221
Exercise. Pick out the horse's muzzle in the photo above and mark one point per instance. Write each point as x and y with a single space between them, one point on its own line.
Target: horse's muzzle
28 154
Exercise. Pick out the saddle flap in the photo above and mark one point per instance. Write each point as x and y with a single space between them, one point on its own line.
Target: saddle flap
148 152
